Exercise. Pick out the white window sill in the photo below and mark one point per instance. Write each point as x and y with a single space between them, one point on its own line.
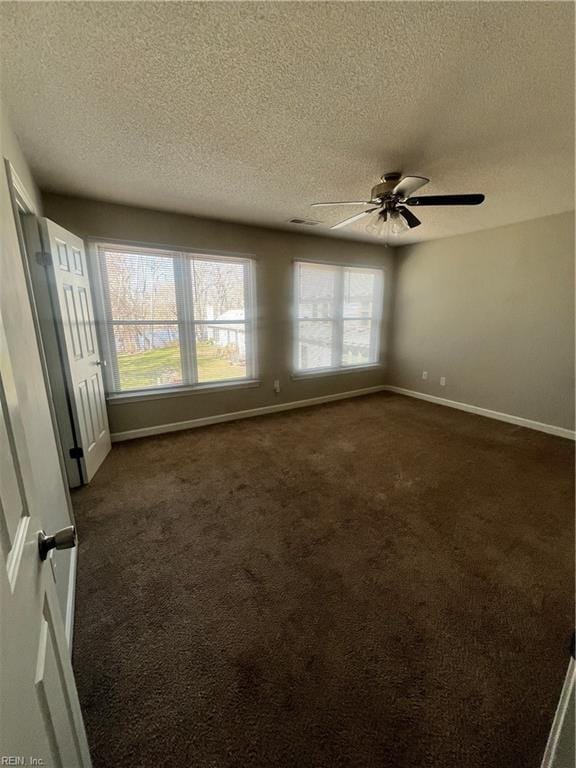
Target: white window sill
314 374
183 391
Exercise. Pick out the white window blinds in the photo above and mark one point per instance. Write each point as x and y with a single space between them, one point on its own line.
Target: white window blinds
338 316
175 319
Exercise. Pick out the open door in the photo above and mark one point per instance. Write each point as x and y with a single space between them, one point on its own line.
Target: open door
65 260
40 718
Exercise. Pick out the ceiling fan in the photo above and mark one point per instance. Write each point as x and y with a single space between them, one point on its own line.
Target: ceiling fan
390 197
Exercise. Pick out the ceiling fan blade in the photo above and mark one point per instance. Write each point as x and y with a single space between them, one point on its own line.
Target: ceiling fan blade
352 219
408 216
342 202
408 185
446 200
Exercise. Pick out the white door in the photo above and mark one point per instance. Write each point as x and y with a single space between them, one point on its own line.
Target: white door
72 301
40 715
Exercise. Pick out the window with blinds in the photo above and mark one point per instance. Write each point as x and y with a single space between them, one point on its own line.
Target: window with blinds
173 319
337 315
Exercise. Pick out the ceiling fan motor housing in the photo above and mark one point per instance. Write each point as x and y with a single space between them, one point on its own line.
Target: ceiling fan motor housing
386 185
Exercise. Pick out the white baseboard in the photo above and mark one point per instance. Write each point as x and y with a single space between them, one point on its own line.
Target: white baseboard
518 420
160 429
71 597
177 426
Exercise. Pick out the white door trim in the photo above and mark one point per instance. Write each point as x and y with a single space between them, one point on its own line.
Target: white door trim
71 598
558 723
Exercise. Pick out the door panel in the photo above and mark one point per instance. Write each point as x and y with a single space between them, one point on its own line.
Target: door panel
14 516
13 504
53 698
40 710
78 261
73 304
87 321
70 319
88 436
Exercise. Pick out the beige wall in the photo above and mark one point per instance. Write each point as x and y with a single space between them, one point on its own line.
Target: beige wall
493 311
274 251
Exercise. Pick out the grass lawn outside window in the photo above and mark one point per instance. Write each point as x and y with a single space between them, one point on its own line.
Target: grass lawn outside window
161 367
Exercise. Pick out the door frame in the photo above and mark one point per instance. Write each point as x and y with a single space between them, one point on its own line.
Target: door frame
560 730
32 248
22 202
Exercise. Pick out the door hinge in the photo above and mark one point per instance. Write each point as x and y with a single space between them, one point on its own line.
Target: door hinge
76 453
44 258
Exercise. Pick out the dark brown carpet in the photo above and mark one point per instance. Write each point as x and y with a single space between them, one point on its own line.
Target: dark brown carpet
373 582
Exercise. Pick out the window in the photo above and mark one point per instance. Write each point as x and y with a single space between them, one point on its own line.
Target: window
338 312
174 319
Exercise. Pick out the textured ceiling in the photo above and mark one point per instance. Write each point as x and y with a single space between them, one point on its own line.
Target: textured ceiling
252 111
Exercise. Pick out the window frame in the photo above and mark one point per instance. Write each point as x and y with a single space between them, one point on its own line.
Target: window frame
184 322
338 319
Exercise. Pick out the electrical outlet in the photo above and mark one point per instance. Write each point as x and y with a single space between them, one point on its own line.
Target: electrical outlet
277 385
424 375
442 381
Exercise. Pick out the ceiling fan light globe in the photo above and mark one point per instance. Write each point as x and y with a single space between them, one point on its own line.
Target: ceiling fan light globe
397 224
377 226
